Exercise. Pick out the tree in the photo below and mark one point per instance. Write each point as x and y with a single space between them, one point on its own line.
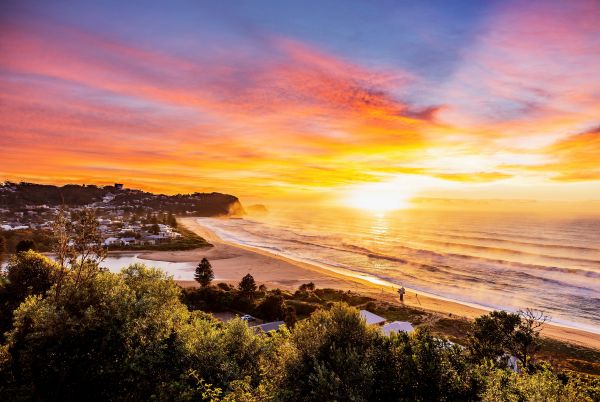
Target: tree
290 317
544 385
25 245
204 273
126 338
307 287
27 273
500 334
329 358
154 229
271 308
247 285
526 338
491 335
78 246
171 220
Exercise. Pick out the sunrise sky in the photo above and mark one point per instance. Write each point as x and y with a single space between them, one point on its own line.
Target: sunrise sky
305 100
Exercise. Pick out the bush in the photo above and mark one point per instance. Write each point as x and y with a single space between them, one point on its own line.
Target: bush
303 309
25 245
27 273
544 385
271 308
128 336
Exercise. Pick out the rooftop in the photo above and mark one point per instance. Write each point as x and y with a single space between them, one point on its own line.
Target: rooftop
397 326
269 326
371 319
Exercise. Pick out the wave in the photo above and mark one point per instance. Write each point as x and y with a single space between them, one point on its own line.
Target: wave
346 247
518 235
517 252
515 242
569 292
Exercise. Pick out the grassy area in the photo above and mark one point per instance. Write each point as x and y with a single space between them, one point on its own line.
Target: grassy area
571 357
188 241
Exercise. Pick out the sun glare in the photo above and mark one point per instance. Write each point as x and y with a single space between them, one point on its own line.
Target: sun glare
379 197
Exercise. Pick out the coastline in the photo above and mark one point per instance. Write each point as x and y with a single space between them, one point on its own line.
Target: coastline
231 261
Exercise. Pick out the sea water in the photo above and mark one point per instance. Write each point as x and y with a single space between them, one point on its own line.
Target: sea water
493 260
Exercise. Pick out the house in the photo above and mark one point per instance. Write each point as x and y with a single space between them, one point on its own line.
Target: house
397 326
127 241
148 241
268 327
14 227
109 241
371 319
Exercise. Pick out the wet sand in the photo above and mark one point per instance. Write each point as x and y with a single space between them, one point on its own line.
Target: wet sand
232 261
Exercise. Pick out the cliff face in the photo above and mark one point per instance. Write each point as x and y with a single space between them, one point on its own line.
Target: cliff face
16 196
217 204
236 209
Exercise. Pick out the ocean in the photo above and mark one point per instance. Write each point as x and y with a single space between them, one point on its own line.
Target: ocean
493 260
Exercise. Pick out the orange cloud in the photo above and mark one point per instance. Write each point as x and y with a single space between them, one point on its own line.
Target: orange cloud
578 157
77 106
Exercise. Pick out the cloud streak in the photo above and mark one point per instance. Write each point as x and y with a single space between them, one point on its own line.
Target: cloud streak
295 116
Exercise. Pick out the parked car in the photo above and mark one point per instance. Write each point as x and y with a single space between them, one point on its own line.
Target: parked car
248 317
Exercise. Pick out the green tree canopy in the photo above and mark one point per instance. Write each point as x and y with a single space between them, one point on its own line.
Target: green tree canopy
500 334
272 308
247 285
123 337
27 273
204 273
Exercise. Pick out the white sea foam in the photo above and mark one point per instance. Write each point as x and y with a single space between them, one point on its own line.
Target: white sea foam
512 261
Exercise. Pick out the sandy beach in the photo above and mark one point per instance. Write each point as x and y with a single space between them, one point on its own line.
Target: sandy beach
232 261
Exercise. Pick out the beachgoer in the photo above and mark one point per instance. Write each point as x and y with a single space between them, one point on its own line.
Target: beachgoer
401 292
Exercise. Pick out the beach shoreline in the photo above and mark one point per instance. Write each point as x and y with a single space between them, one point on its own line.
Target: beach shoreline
231 261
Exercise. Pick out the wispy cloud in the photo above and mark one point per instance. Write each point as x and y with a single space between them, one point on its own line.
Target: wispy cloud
299 116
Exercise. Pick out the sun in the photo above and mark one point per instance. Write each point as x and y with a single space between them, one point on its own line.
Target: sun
379 202
379 197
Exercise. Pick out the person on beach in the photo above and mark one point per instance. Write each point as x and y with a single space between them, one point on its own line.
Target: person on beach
401 292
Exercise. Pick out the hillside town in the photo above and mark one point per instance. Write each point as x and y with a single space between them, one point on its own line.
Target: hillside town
126 218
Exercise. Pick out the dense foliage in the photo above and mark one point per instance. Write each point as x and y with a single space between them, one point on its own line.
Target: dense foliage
129 337
76 332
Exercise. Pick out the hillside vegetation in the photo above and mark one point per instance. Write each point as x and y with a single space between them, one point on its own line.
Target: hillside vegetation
73 332
18 195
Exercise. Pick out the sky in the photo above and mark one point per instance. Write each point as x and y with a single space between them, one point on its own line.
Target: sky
310 100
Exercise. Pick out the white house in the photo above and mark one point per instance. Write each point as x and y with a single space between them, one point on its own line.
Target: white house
371 319
16 227
397 326
109 241
128 240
